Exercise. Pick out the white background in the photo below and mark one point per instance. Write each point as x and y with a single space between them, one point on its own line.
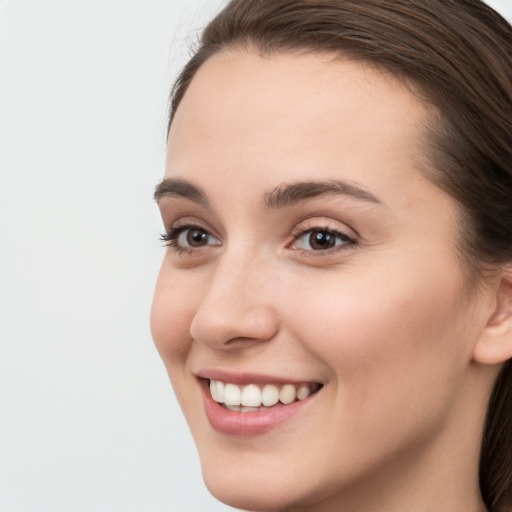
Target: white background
88 421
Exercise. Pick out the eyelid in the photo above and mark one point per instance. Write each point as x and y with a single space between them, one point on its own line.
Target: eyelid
190 221
322 223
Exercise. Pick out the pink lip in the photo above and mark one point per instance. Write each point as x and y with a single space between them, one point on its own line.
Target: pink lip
248 423
243 378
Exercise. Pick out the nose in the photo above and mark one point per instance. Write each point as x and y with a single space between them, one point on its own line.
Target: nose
237 306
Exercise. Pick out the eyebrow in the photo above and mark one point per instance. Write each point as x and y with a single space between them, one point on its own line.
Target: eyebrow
282 196
174 187
293 193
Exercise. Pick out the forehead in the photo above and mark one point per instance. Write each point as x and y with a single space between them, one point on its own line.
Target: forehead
263 116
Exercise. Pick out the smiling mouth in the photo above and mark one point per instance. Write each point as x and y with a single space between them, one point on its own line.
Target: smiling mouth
256 397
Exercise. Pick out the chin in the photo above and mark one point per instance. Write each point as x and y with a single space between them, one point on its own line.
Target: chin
263 483
254 495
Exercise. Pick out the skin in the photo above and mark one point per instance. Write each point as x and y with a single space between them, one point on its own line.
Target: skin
385 323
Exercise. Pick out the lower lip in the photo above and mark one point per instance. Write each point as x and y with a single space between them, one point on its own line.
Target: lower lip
249 423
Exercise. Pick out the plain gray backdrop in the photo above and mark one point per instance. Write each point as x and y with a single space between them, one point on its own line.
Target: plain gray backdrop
88 420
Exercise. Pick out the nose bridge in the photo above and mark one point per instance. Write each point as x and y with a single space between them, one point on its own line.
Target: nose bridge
232 280
236 305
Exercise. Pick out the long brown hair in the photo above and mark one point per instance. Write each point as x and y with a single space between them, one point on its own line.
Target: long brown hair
455 54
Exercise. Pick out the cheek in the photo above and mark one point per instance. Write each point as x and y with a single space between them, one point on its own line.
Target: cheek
172 312
171 315
394 346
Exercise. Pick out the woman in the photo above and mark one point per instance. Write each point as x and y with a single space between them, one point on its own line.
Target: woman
335 304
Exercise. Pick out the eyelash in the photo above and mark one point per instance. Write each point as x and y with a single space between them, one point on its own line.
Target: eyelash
171 239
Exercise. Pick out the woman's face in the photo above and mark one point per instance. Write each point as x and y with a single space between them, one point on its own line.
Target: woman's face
306 248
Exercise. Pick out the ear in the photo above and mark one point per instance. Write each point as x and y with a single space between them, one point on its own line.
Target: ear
495 343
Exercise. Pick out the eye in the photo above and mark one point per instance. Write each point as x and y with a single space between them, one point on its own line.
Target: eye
193 237
321 240
189 238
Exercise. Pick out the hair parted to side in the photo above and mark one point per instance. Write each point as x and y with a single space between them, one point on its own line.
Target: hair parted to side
457 56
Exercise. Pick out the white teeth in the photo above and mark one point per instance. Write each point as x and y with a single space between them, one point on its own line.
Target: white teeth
303 392
269 395
251 397
217 390
287 394
232 395
241 408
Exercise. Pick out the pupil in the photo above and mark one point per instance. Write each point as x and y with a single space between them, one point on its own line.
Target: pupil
321 240
197 238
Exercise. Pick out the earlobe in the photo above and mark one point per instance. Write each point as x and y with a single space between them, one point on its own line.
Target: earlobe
495 344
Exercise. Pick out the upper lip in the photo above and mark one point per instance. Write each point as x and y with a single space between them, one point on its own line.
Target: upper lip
243 378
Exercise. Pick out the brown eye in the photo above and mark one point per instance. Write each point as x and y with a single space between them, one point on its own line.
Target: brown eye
191 237
321 240
196 237
188 238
